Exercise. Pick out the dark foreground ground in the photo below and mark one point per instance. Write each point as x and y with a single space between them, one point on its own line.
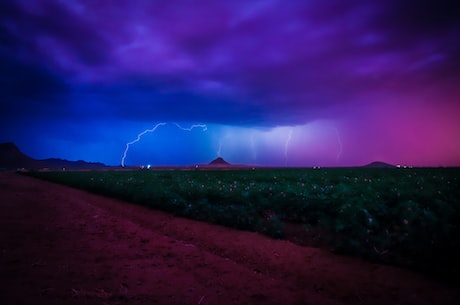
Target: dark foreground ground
63 246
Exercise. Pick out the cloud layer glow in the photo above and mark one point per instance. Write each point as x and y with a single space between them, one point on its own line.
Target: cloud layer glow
296 83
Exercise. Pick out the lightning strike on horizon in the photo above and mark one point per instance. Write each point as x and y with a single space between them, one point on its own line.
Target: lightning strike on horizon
286 146
221 141
203 126
219 149
137 140
253 147
339 141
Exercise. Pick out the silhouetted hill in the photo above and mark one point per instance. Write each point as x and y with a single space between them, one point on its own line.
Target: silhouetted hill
378 164
12 158
219 161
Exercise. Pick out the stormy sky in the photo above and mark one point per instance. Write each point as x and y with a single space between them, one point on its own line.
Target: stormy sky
279 83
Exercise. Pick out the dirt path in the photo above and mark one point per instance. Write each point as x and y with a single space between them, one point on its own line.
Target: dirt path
63 246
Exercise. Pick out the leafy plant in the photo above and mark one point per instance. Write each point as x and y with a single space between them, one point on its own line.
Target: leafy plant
407 217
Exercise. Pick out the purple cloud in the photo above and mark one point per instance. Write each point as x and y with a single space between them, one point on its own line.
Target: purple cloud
257 63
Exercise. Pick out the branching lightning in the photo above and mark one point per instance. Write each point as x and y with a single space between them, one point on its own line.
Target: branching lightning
139 136
193 126
137 140
286 146
252 140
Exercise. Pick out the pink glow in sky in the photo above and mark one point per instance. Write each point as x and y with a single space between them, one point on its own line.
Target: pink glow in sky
343 82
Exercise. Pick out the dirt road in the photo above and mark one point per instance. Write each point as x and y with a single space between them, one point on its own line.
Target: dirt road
59 245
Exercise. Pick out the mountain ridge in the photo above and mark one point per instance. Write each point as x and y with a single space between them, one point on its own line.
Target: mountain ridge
11 157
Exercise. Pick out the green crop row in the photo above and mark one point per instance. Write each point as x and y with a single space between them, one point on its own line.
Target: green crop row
408 217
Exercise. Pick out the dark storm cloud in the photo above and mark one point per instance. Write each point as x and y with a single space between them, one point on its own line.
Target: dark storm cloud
29 91
257 62
32 83
169 100
78 73
423 17
423 28
41 26
22 81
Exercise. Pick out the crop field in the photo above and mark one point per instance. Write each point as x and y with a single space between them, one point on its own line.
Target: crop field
407 217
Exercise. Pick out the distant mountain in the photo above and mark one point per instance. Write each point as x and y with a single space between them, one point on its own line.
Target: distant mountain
378 164
219 161
12 158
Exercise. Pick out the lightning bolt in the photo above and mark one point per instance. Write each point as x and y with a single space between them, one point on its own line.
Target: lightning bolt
219 149
253 147
139 136
193 126
222 140
286 146
339 141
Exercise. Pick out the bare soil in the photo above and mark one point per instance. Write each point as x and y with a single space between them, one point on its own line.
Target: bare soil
59 245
